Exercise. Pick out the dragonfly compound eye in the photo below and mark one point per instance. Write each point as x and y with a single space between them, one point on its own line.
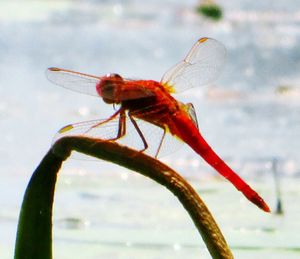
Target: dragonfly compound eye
108 88
116 77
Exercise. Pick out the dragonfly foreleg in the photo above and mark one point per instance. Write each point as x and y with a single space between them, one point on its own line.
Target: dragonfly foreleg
138 131
122 125
108 119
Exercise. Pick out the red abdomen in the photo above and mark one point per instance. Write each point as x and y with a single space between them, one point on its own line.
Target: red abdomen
189 133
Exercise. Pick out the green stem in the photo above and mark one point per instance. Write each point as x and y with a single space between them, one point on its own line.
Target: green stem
34 235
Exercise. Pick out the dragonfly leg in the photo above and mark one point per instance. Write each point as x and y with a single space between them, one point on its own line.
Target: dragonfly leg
122 125
105 121
161 142
138 131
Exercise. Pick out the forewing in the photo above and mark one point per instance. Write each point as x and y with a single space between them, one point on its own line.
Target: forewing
108 130
75 81
201 66
84 83
92 129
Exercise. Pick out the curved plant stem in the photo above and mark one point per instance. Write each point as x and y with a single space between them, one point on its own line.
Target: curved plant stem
34 236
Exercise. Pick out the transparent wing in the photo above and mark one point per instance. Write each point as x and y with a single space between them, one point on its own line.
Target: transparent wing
75 81
106 131
201 66
87 84
158 143
109 130
189 107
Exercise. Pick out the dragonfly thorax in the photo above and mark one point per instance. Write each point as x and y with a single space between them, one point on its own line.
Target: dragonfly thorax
109 87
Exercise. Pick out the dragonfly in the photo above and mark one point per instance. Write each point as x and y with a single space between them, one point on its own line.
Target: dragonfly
153 102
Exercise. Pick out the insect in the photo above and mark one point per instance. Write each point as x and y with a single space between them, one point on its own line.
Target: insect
151 101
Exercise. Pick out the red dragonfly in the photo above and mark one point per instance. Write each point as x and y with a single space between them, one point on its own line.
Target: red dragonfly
152 102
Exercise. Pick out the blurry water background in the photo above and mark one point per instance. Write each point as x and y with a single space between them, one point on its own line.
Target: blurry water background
251 116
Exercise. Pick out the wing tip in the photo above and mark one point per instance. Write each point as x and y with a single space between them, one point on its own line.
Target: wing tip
54 69
202 40
66 128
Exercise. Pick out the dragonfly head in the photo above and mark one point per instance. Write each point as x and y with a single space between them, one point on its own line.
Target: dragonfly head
108 88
